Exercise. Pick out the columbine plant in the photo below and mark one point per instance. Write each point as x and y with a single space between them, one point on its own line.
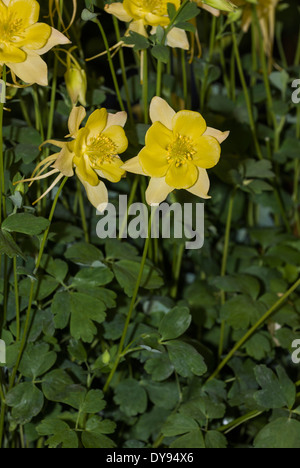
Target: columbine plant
179 148
93 152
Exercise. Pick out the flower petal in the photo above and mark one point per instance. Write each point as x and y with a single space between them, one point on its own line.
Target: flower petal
118 137
178 38
10 53
133 165
201 187
120 118
97 194
159 135
26 10
217 134
160 111
112 171
154 162
156 20
35 37
208 152
55 39
97 122
64 162
182 177
77 115
85 171
189 123
79 145
32 70
157 191
138 26
117 9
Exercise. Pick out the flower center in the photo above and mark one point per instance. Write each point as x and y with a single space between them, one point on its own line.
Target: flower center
180 151
11 28
157 7
101 150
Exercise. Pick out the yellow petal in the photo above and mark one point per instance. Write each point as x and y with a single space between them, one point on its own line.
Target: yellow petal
154 163
159 135
97 194
160 111
112 171
64 162
208 152
26 10
189 123
81 142
84 170
201 187
77 115
118 10
157 191
32 70
217 134
138 26
120 118
10 53
35 37
55 39
118 137
133 165
156 20
182 177
97 122
178 38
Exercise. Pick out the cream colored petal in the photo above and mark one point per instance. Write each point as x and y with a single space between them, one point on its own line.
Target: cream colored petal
64 162
32 70
210 9
178 38
160 111
157 191
77 115
217 134
138 27
120 118
97 195
59 144
119 11
201 187
55 39
133 165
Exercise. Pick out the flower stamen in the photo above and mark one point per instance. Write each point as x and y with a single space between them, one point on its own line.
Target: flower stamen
180 151
100 150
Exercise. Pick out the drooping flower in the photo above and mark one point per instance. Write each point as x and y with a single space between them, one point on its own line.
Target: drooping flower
179 148
93 152
143 13
23 40
215 6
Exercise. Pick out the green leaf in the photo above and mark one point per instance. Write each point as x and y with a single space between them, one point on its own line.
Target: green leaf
241 311
60 432
282 433
193 439
93 436
26 401
171 10
245 284
92 278
131 397
276 392
127 271
160 367
85 310
61 309
163 395
178 424
57 385
188 12
175 323
161 52
77 350
137 40
93 402
8 246
36 360
84 254
214 439
186 360
25 223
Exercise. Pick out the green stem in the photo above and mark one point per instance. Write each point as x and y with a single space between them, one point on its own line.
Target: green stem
131 309
210 56
297 176
184 78
224 264
2 178
159 78
145 85
252 330
82 212
177 269
17 299
246 92
111 65
130 201
237 422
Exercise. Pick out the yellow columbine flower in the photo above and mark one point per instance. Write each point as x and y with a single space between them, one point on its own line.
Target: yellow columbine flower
179 148
23 40
143 13
93 152
215 6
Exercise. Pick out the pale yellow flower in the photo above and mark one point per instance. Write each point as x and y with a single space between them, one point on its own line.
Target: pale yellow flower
143 13
23 40
92 152
179 149
215 6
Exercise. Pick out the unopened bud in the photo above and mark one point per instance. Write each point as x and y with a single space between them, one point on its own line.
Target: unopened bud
76 82
223 5
106 357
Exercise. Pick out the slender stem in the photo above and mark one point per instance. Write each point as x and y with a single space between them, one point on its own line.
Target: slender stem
237 422
82 212
252 330
210 56
297 54
246 92
159 78
111 65
297 176
17 299
184 78
145 85
2 179
224 264
131 309
177 269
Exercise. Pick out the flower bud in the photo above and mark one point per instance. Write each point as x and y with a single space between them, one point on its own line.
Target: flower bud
106 357
76 82
223 5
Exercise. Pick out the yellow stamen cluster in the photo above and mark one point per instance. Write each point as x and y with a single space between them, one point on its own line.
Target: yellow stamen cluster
10 29
157 7
180 151
100 150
